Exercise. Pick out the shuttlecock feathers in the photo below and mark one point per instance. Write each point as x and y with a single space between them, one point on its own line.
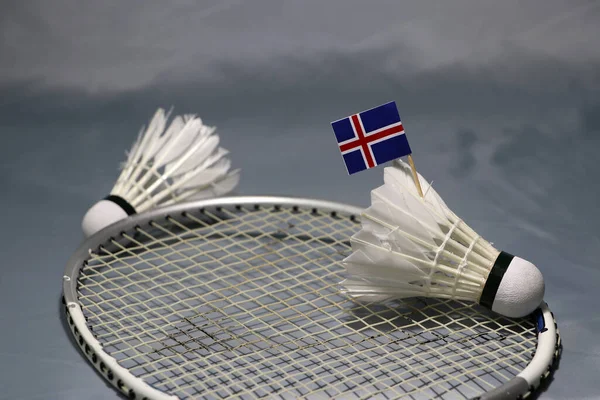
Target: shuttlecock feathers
411 246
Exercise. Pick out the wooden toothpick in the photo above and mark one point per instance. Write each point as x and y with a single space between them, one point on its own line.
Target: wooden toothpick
414 174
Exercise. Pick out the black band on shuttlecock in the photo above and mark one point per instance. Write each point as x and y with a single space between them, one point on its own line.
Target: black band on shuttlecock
121 202
494 278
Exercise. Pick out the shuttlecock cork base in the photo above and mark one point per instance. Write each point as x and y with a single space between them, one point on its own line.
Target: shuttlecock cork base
514 287
166 165
411 246
105 212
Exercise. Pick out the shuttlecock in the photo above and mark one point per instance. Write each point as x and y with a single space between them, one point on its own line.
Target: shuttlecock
410 246
163 167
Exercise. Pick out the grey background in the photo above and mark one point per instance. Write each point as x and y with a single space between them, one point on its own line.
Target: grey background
499 100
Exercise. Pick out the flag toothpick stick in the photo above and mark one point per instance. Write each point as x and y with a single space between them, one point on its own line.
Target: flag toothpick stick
414 174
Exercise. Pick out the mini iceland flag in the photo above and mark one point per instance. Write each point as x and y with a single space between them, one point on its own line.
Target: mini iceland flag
371 137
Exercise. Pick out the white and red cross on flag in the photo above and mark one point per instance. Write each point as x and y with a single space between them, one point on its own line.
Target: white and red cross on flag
371 137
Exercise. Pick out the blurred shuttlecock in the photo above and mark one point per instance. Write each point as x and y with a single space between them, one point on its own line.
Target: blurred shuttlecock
165 166
411 246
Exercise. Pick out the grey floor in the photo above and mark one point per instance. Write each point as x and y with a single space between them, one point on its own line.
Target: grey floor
500 101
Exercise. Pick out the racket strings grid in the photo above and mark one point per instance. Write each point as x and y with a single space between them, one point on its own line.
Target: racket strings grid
243 301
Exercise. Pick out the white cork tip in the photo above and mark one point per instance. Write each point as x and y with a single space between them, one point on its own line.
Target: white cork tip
521 290
102 214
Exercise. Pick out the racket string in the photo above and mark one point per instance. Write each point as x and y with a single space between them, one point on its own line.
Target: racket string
246 302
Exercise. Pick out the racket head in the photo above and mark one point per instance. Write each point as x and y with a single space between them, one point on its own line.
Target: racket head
239 297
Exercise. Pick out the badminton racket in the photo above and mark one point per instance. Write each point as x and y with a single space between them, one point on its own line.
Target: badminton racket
239 298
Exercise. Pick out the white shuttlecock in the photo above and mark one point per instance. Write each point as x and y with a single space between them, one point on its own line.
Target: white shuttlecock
165 166
410 246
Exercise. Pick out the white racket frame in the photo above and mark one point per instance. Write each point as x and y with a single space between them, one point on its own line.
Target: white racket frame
521 386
